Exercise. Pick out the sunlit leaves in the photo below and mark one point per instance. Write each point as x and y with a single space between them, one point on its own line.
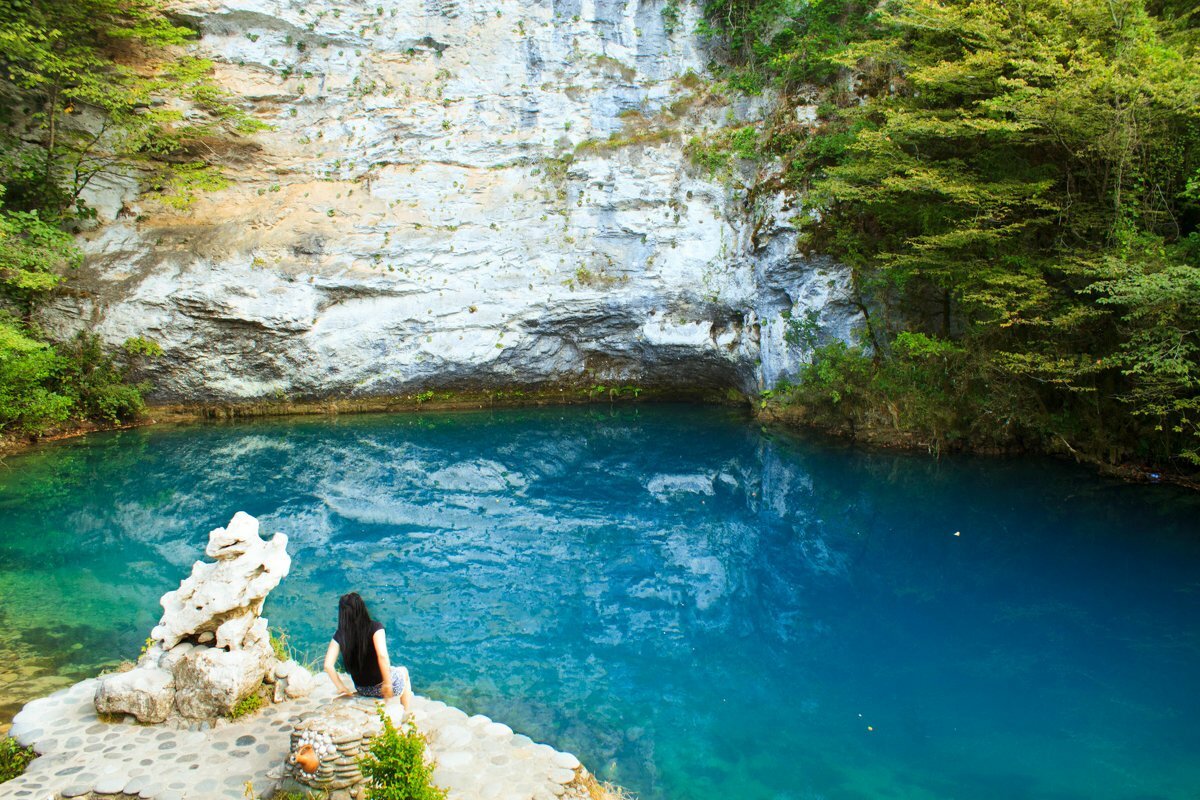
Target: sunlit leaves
1021 179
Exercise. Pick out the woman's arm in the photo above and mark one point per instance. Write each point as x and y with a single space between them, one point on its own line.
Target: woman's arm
331 656
385 667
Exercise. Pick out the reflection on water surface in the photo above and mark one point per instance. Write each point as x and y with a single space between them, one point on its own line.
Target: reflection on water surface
698 608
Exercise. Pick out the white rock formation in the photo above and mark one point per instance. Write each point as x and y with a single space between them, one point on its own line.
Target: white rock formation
220 604
146 692
292 681
225 598
454 194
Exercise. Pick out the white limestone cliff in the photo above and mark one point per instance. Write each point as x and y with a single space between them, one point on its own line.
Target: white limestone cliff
458 194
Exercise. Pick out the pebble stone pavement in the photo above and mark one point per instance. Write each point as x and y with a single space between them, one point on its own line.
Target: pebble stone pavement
477 759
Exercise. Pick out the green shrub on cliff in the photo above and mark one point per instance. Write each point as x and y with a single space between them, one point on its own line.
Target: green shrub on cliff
43 385
395 766
35 256
29 401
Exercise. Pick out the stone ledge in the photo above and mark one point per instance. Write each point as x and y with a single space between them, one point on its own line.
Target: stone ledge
81 756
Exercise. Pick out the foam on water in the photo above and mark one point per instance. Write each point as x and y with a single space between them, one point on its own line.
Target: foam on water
698 608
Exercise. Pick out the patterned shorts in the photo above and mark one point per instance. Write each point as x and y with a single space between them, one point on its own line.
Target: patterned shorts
399 685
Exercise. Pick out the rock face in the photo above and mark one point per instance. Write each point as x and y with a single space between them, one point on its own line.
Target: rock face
459 194
211 648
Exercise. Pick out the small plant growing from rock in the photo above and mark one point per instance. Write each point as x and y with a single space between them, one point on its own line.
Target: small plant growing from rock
670 15
14 759
395 766
280 644
248 704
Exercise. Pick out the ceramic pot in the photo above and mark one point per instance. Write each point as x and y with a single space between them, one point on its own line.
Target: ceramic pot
306 758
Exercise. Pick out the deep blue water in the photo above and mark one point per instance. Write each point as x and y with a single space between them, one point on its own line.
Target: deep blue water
700 609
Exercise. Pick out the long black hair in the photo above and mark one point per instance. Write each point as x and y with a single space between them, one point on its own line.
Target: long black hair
354 621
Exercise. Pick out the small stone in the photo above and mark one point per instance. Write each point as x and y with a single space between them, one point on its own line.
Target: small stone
135 785
110 783
497 729
560 775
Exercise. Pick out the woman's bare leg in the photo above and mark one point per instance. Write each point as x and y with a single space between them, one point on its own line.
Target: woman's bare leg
406 695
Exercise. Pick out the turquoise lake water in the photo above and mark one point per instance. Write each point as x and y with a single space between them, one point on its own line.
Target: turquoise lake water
700 609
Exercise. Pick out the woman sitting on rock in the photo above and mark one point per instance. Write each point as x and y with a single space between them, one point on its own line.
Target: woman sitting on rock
363 646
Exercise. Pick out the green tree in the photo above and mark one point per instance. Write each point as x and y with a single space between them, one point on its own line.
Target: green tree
30 398
88 88
34 257
101 87
1017 181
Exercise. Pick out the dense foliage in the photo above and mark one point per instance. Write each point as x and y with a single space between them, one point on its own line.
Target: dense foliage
13 758
1016 186
395 767
88 88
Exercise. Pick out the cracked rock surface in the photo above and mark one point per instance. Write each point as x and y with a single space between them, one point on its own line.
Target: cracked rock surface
458 195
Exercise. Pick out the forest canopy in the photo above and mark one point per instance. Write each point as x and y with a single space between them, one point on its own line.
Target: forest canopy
1016 187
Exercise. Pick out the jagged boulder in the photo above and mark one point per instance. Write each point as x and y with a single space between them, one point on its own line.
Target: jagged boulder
209 681
211 648
147 693
225 597
292 681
